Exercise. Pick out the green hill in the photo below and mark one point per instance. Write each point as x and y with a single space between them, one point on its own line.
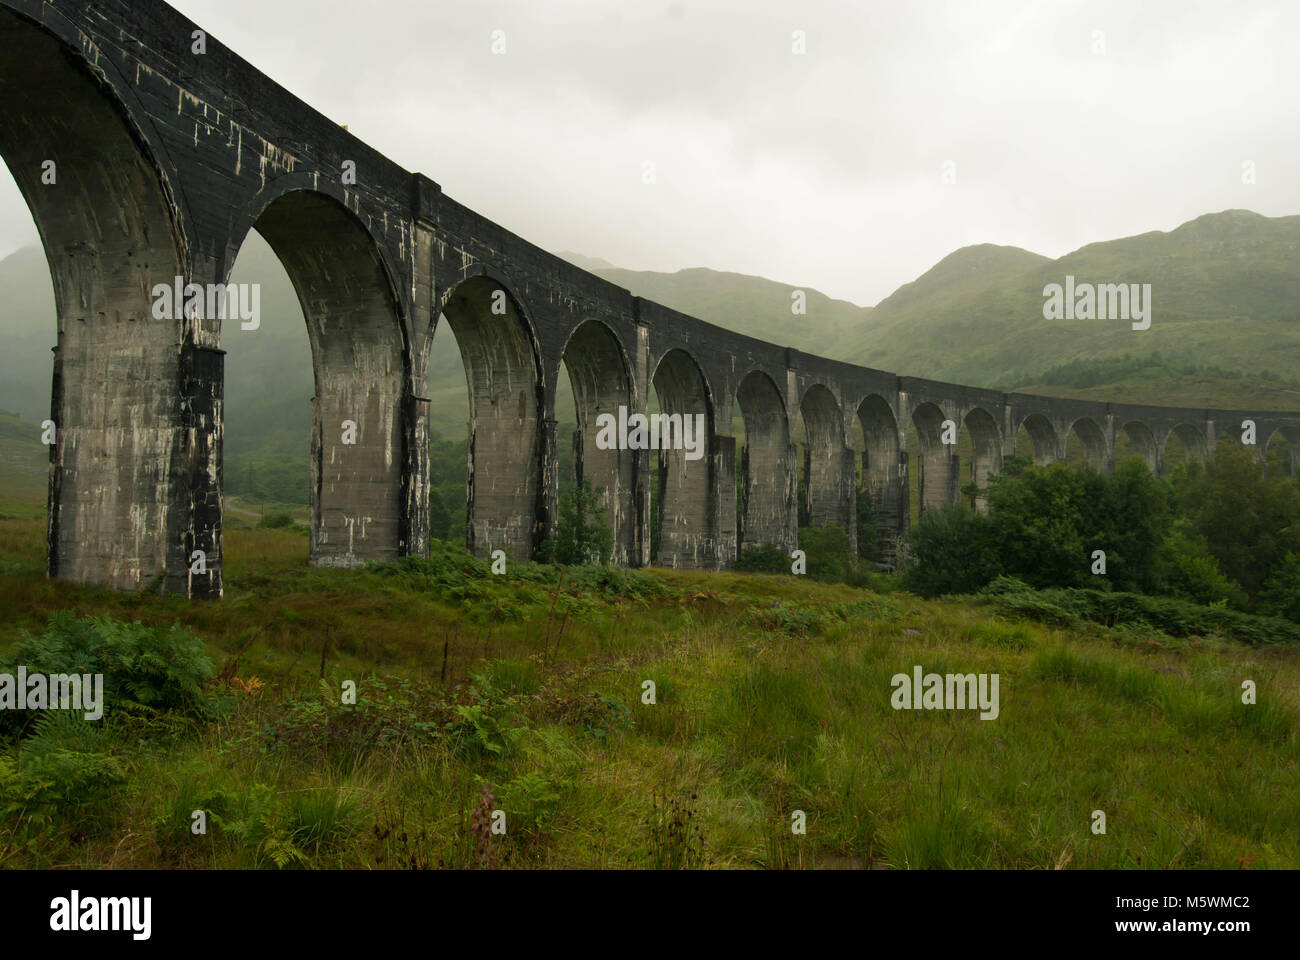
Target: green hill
24 460
1156 379
751 305
1225 291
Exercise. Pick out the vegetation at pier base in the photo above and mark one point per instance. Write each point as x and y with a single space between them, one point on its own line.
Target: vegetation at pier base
1226 534
582 534
523 693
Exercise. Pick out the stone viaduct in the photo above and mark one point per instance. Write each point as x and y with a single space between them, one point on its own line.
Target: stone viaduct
167 149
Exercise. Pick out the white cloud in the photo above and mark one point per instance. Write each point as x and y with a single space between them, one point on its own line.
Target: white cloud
822 169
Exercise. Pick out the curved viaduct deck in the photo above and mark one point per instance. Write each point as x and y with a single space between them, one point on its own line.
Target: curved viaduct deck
167 155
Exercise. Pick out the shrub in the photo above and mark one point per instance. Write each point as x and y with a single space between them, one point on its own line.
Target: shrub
1192 573
1176 618
793 621
1280 596
276 520
827 551
765 558
951 551
614 583
393 711
146 669
57 782
582 535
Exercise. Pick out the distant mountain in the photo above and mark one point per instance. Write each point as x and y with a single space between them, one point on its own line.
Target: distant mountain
1225 291
591 264
751 305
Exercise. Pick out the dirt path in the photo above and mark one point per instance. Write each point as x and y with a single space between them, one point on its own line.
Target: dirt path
228 503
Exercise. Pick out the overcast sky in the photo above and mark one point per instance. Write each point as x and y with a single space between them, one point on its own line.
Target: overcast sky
1064 123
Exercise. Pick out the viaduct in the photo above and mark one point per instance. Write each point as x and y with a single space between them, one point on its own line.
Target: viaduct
168 148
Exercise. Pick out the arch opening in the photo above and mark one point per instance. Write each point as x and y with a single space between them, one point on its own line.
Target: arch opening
598 375
1042 438
685 506
503 455
1282 451
1135 439
985 454
825 467
884 477
767 479
359 372
117 490
937 471
1086 445
1184 448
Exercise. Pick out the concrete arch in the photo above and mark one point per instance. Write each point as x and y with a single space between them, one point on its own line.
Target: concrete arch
1092 438
600 375
687 503
1139 435
360 364
1043 437
986 452
503 376
827 462
313 184
767 514
937 463
111 231
1192 441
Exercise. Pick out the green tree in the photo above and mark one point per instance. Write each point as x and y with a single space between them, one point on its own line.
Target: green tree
1036 526
1192 573
582 536
1248 515
953 550
1280 595
1048 522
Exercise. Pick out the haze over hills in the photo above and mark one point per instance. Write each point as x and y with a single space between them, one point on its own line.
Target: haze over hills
752 305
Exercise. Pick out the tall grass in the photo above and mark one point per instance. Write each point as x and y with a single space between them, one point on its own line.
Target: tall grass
760 712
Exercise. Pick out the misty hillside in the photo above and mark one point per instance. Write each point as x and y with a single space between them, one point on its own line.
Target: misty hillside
1225 291
751 305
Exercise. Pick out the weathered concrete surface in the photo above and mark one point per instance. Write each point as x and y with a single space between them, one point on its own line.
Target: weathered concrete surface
166 158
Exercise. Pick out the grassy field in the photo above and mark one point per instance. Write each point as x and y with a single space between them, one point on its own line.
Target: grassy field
523 693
